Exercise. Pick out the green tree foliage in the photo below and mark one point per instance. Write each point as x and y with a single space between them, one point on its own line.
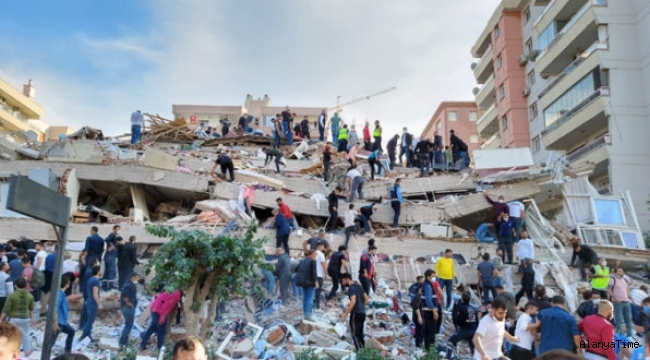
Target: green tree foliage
225 264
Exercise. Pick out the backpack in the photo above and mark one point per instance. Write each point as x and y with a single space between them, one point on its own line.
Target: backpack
38 279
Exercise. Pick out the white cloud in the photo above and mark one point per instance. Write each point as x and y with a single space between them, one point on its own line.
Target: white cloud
302 53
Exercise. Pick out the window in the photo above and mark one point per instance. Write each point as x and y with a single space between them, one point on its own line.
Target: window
531 78
573 97
473 116
532 111
608 212
502 92
546 36
474 139
535 145
504 123
452 116
529 46
526 15
497 32
499 61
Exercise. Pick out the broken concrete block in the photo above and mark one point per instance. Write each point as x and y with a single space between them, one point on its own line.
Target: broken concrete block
276 336
385 337
323 339
109 343
157 159
242 348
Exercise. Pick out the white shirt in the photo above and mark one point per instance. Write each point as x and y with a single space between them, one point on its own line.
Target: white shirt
40 255
6 286
525 337
525 249
70 266
493 332
353 173
350 215
320 259
515 208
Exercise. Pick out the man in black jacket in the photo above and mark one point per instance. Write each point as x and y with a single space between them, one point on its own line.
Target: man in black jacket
333 208
465 318
585 256
337 263
306 279
226 165
527 281
391 149
127 259
423 152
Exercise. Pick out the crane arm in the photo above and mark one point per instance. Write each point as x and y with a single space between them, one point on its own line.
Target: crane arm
367 97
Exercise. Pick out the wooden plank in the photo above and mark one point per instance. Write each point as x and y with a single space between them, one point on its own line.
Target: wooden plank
116 173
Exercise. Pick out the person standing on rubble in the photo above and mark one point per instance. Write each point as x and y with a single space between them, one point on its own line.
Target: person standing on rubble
337 266
429 309
437 149
391 148
226 164
334 125
225 126
352 153
517 212
356 309
506 236
93 249
61 324
18 309
277 132
110 259
355 183
376 135
446 274
583 257
619 292
415 293
367 144
599 276
322 121
353 138
283 273
396 201
137 126
499 207
128 303
342 140
488 339
367 269
487 273
465 319
321 272
92 304
327 158
351 226
273 153
333 208
164 304
423 151
406 146
313 242
286 211
374 160
304 128
127 259
282 230
307 280
527 281
365 215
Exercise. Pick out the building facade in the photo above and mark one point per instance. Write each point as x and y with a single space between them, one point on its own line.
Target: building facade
585 66
19 112
259 109
460 116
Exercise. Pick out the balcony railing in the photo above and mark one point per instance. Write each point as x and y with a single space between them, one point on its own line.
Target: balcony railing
492 142
567 115
597 45
485 114
601 141
17 114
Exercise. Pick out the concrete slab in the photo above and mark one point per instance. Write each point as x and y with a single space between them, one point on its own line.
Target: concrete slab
160 160
502 158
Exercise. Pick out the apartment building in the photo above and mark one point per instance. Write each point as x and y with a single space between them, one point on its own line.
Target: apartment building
460 116
19 112
584 75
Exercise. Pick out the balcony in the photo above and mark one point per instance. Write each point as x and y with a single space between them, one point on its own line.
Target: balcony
494 142
588 117
486 95
570 76
487 124
576 36
12 120
10 98
484 67
594 152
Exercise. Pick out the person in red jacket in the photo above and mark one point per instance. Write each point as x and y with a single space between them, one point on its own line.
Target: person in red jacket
367 145
163 305
284 210
599 333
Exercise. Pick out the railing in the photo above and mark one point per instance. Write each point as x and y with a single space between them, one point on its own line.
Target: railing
587 148
597 45
566 116
484 116
17 114
491 141
546 9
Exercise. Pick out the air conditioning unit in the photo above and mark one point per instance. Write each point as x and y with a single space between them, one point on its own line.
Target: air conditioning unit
475 90
473 66
525 92
533 55
523 59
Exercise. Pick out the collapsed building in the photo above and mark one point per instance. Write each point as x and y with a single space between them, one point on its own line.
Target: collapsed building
166 179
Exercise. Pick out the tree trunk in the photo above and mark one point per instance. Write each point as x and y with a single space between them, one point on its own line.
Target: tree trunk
209 322
191 322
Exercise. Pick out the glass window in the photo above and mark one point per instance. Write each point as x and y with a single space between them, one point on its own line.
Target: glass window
630 240
529 46
532 111
526 15
530 77
502 92
609 212
570 99
452 116
497 32
473 116
473 138
546 36
535 146
504 123
499 62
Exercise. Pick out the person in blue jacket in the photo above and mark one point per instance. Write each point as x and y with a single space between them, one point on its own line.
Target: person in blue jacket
281 226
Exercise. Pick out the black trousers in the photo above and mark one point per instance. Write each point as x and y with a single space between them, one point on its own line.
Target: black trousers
282 241
356 326
419 332
517 353
366 284
336 280
334 219
230 168
522 291
430 331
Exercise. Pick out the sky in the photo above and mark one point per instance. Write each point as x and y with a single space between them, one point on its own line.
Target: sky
95 62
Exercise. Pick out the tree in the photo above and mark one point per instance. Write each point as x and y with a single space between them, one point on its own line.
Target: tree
205 266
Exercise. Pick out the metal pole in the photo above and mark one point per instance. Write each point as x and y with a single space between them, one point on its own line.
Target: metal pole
49 339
